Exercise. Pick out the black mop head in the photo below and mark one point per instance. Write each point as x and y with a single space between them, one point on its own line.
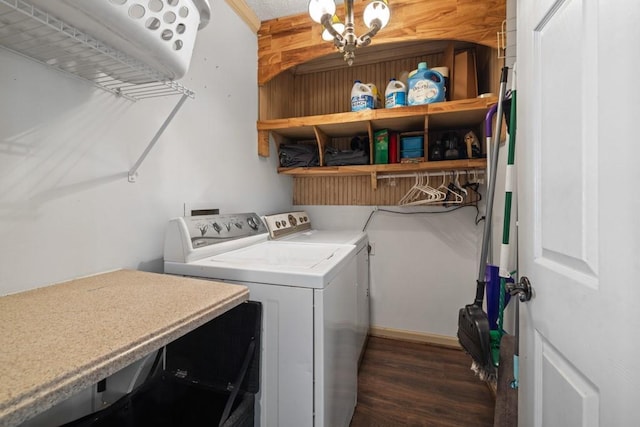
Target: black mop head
475 339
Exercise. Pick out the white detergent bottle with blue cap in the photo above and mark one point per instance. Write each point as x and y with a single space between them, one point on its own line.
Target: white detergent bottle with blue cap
425 86
395 95
362 97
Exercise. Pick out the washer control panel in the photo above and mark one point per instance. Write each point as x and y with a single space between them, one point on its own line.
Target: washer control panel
286 223
210 229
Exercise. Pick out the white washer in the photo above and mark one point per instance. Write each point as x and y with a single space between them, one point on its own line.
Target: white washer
295 227
308 292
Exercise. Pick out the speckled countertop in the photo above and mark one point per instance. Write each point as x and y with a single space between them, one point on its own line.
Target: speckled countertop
57 340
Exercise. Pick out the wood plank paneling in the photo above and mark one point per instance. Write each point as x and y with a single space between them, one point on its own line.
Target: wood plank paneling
357 190
327 93
287 42
275 98
289 103
300 76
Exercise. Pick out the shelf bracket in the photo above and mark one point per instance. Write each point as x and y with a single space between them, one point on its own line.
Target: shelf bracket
374 180
502 41
322 140
133 172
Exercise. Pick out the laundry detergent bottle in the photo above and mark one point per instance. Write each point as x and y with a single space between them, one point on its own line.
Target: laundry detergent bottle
362 97
425 86
377 101
395 95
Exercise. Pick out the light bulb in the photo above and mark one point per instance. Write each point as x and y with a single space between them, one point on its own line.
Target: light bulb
377 9
337 25
319 8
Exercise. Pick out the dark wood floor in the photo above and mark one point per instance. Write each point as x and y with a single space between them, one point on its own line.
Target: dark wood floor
411 384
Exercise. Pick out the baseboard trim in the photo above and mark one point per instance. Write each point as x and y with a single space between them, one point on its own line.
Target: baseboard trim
413 336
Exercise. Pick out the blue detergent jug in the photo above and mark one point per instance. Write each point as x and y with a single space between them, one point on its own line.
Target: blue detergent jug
425 86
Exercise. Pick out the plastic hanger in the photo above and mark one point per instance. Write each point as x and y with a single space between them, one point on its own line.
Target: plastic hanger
410 195
452 196
459 187
427 194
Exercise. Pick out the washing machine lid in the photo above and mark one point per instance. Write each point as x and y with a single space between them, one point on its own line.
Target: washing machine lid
295 226
343 237
273 262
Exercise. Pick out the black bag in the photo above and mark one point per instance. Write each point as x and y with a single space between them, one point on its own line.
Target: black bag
335 157
298 155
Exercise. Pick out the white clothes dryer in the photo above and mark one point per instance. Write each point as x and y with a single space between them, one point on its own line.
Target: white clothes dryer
308 294
295 227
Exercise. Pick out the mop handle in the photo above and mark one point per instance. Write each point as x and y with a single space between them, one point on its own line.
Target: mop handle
508 198
491 191
510 182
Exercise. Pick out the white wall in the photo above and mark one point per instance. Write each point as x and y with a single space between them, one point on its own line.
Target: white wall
66 207
425 265
424 268
512 50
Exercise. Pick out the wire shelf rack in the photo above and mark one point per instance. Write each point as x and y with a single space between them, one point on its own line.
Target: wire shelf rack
35 34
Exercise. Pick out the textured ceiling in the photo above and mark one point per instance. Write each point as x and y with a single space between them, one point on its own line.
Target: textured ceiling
271 9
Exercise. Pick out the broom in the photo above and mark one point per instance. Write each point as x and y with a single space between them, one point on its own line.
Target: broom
510 183
473 324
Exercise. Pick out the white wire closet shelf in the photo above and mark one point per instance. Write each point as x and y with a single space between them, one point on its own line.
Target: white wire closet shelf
35 34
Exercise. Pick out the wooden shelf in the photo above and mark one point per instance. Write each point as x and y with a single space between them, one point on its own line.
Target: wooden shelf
375 170
466 112
443 165
321 128
303 83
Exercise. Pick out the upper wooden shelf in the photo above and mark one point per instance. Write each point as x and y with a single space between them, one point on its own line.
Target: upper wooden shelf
467 112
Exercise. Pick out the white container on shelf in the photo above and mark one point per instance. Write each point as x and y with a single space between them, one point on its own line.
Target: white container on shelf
160 34
396 94
362 97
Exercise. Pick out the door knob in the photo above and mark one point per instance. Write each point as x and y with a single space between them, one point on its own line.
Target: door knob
522 289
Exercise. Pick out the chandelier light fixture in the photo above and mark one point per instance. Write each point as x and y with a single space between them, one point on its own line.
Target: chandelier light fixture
376 16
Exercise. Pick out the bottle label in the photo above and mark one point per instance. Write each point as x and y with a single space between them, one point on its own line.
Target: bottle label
423 92
396 99
361 102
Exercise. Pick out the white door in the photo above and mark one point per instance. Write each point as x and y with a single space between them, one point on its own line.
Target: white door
577 140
